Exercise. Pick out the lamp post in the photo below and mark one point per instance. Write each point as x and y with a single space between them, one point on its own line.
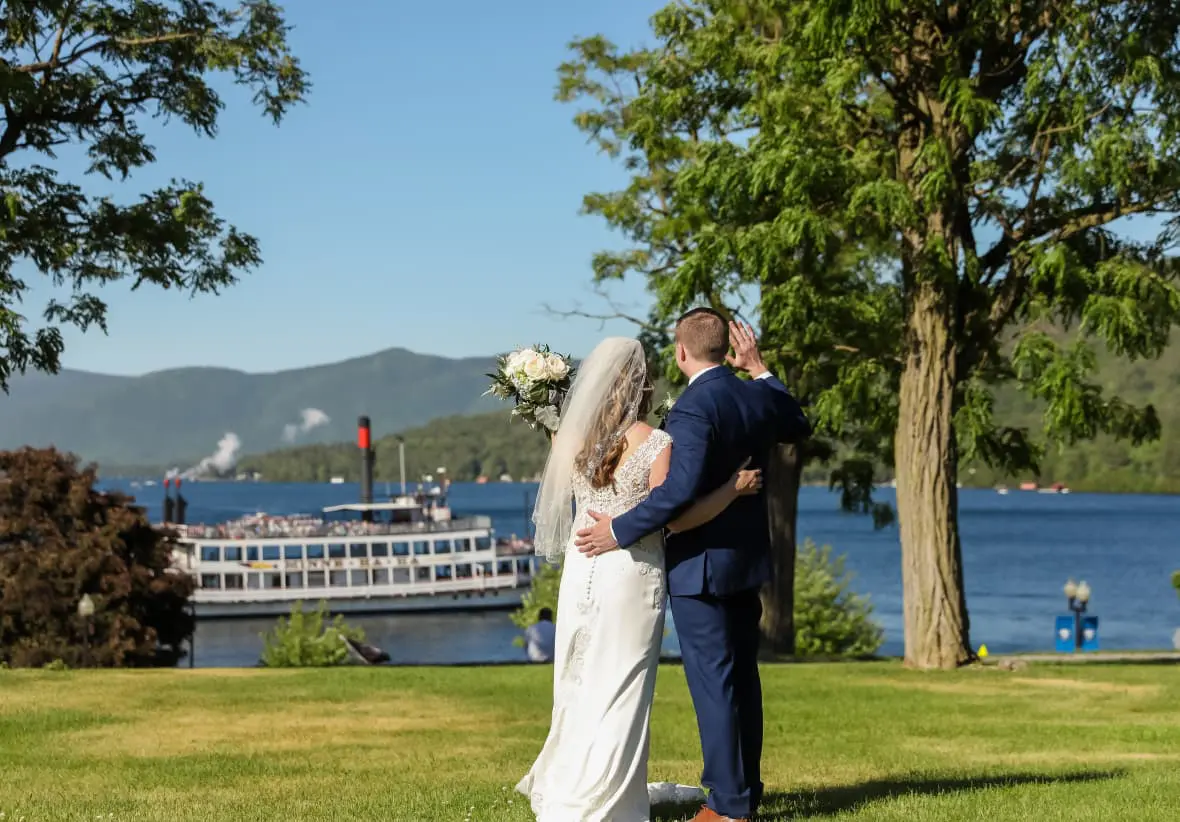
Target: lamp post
192 638
1078 594
401 462
86 612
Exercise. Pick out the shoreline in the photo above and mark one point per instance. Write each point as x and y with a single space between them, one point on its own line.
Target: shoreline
1012 491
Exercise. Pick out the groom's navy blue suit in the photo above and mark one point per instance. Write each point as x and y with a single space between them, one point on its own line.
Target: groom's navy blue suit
715 571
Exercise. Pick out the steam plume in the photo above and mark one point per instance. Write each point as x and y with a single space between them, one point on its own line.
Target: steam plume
221 461
309 418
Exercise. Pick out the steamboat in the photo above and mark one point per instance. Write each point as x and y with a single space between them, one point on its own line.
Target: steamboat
404 554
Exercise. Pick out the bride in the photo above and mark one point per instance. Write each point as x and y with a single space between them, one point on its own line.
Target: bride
610 610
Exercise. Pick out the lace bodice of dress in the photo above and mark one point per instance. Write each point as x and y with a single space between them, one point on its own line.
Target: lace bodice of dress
631 482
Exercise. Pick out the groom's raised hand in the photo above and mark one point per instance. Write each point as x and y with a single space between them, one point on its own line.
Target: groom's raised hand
596 540
745 356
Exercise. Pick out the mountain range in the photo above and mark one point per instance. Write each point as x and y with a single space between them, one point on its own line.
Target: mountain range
180 416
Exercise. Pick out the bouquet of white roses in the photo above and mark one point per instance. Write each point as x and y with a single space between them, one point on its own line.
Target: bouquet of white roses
537 380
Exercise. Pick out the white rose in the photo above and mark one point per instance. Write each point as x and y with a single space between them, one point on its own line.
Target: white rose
534 366
514 367
515 360
557 367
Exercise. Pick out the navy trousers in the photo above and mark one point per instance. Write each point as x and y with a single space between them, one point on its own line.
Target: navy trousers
719 645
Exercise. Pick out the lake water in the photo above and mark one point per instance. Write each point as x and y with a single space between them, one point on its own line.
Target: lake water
1018 551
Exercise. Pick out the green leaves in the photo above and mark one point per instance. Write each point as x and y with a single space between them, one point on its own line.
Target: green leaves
542 593
308 639
85 74
814 164
1074 406
830 618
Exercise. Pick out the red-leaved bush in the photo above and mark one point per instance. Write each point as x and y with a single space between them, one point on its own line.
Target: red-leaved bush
60 538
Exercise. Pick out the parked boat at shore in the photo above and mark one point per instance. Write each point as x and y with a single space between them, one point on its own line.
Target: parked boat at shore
405 554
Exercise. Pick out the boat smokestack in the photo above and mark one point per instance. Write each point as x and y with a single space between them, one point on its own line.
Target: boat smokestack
364 441
168 509
181 505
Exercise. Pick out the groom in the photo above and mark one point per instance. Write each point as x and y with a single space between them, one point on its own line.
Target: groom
715 571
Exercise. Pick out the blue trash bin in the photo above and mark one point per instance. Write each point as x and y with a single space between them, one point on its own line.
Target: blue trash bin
1063 634
1090 633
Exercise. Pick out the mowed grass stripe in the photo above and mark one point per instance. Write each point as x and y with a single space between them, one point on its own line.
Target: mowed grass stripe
851 741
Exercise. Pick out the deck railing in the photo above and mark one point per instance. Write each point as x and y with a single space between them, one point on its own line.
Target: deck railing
326 530
457 586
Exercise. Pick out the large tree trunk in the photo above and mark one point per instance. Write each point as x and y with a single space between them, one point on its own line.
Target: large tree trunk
783 478
936 625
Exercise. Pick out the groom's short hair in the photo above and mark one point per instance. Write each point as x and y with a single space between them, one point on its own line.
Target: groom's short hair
704 334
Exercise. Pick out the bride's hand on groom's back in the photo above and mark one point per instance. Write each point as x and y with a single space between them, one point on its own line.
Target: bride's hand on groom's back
747 481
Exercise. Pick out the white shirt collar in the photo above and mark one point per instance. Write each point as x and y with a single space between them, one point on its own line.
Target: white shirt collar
693 378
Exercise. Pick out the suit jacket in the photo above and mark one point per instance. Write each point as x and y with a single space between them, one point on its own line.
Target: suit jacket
716 424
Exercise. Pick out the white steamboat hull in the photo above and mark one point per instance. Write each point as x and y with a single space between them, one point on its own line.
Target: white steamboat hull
491 600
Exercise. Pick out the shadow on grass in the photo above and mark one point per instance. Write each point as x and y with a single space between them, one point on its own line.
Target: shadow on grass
780 806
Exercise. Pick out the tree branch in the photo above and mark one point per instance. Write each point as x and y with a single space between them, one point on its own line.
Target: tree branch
615 314
1099 214
1010 292
55 61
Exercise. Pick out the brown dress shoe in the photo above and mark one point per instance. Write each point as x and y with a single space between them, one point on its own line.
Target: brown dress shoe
707 814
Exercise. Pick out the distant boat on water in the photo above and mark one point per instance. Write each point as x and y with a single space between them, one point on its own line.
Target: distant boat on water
1055 488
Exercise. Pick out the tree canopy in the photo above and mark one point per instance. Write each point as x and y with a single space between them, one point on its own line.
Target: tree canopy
85 75
677 119
925 195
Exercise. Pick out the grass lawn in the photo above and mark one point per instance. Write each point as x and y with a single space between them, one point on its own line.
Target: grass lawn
853 741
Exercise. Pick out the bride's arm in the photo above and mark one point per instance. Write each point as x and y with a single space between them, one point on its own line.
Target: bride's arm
742 483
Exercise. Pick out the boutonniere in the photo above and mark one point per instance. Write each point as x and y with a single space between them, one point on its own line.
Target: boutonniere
664 408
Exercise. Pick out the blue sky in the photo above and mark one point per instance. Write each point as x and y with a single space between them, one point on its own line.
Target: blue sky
426 197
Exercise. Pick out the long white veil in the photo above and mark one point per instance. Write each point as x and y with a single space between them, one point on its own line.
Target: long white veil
614 373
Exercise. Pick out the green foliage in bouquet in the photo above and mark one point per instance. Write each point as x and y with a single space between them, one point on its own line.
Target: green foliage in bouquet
536 379
1176 581
307 639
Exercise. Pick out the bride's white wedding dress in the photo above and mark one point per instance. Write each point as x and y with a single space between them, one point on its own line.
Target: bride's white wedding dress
610 624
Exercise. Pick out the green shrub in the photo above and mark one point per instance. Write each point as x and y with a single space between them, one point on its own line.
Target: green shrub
830 618
1176 581
307 639
542 593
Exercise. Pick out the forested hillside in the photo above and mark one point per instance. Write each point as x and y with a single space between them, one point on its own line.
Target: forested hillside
467 447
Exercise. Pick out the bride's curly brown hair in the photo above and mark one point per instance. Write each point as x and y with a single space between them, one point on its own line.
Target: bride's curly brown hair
611 421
